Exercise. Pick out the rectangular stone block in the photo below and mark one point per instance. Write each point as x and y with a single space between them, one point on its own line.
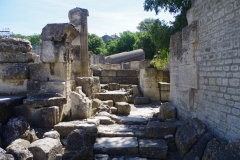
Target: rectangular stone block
16 57
89 85
52 53
14 71
108 73
135 65
13 87
152 93
49 116
105 80
6 107
115 66
188 76
185 98
127 73
48 71
164 96
40 87
163 86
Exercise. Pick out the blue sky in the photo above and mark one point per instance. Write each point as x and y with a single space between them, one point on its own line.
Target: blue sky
105 16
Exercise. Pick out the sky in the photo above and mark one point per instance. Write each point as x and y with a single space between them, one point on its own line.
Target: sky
28 17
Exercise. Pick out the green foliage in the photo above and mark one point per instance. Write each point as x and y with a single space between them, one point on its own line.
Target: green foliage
96 45
34 39
145 42
160 32
144 25
161 59
124 43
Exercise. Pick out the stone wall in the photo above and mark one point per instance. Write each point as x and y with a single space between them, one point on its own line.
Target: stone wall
205 66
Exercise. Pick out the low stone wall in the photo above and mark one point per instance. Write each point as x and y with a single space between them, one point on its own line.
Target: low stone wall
118 76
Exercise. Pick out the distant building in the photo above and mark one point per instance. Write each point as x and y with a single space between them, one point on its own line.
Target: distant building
107 38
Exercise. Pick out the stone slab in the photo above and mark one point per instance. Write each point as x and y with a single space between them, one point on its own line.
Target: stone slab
6 106
132 120
112 95
13 87
14 71
127 73
108 73
44 101
116 146
16 57
151 148
156 129
123 108
9 44
65 128
105 120
185 98
188 76
48 71
56 32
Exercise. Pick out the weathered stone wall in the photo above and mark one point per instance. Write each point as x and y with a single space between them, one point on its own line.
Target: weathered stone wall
205 66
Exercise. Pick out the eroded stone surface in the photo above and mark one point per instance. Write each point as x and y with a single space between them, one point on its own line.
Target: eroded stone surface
45 149
116 146
9 44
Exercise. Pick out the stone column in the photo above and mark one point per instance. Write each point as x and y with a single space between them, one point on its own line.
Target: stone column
78 17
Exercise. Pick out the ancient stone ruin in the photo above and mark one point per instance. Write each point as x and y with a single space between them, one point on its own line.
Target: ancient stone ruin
59 105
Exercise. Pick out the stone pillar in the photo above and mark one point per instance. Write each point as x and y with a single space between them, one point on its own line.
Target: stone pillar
78 17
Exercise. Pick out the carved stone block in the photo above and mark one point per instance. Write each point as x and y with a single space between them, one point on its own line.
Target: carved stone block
188 76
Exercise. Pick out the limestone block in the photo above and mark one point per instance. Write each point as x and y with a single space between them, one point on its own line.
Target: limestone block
52 53
112 95
108 73
113 86
6 156
167 111
65 128
126 65
40 87
124 80
136 90
108 102
189 33
13 87
164 96
105 120
116 146
61 32
190 15
150 148
20 152
141 100
76 69
76 16
184 98
45 149
188 76
152 93
198 149
89 85
48 71
144 64
52 134
19 141
123 108
127 73
76 41
50 116
80 107
9 44
79 145
156 129
6 106
114 110
115 66
16 57
135 65
187 135
14 71
176 47
96 72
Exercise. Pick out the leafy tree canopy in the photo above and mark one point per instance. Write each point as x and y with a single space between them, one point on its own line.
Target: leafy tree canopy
34 39
95 44
144 25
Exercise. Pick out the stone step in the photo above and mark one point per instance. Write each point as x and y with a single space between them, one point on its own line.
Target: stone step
116 96
116 146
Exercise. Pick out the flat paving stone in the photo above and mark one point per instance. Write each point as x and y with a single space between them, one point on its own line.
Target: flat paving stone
65 128
105 120
153 148
116 146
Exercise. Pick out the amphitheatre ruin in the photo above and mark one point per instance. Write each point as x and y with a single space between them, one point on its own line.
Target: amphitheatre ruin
64 104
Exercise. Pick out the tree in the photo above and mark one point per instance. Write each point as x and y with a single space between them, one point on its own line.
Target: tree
145 42
124 43
177 7
34 39
95 44
144 25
